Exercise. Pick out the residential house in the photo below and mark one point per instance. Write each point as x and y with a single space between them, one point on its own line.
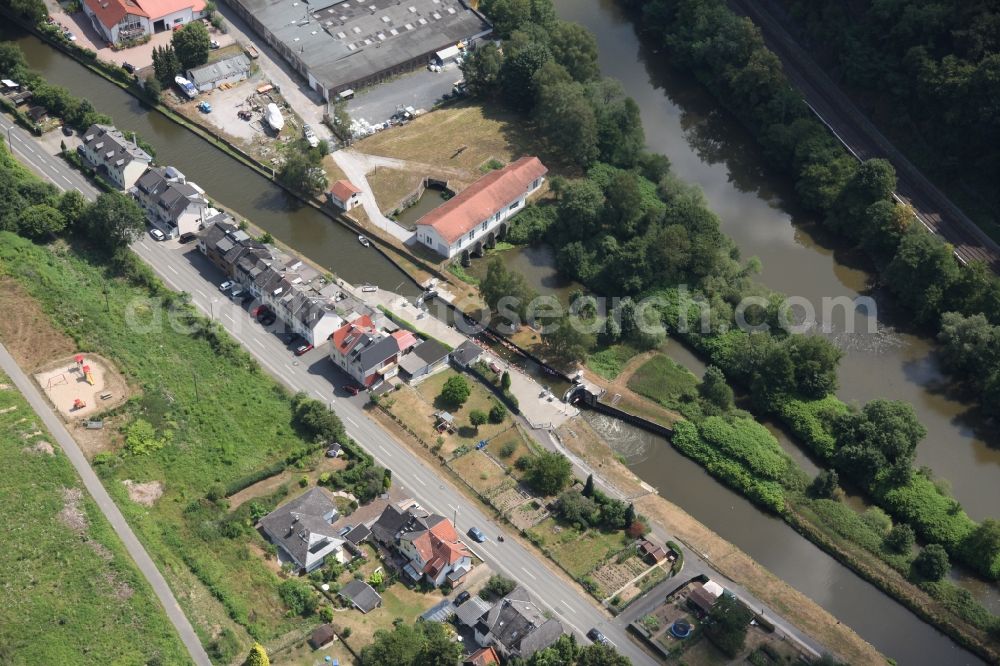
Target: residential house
466 354
302 529
362 595
363 352
478 216
651 552
172 204
344 195
113 155
468 614
427 544
486 656
123 21
700 600
424 360
517 627
228 70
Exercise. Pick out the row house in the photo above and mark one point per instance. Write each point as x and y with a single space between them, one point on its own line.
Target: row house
172 204
366 353
113 155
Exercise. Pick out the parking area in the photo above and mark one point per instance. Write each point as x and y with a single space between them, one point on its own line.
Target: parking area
420 89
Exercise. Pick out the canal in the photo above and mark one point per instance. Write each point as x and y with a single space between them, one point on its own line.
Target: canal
225 180
885 623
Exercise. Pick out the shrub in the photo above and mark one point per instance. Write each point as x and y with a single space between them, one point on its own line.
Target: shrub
304 481
900 538
497 413
477 418
523 463
140 438
637 529
507 450
497 586
300 598
326 613
932 562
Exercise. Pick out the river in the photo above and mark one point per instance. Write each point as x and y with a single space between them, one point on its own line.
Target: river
875 616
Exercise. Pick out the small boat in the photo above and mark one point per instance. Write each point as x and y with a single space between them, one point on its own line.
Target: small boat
364 241
186 87
273 117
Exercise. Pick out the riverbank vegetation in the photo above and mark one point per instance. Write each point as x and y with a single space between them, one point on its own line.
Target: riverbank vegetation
57 539
926 70
628 227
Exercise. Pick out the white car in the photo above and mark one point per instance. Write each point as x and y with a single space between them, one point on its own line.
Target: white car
310 136
157 235
70 36
226 286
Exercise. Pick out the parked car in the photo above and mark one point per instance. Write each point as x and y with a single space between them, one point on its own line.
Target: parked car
595 635
70 36
310 136
462 597
67 130
214 44
187 237
267 318
476 534
128 67
226 286
157 234
303 348
238 293
352 389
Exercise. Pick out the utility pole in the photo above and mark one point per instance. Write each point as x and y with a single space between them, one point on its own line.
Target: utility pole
107 301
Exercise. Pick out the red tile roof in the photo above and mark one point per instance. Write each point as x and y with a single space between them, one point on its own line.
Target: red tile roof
483 198
405 339
157 9
111 12
347 335
486 656
343 189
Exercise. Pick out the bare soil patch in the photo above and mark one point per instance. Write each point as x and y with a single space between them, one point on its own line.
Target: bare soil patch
71 514
64 382
579 437
145 494
26 330
613 575
40 448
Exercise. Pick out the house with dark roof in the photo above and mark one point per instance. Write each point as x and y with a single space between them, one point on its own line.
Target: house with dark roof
302 529
364 352
466 354
478 216
517 627
468 614
172 204
321 636
700 600
423 360
113 155
427 543
362 595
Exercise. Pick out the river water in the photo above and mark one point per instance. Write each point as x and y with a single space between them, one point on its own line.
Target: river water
875 616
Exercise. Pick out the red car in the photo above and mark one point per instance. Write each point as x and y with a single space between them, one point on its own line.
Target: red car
352 389
303 348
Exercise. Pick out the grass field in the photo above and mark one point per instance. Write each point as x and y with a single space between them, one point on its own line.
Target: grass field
577 552
663 380
70 593
237 423
608 363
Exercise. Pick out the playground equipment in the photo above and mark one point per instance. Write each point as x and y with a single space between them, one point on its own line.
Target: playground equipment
78 404
88 375
56 380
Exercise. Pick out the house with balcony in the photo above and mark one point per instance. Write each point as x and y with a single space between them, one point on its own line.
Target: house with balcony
364 352
172 204
426 545
123 21
478 216
113 155
303 530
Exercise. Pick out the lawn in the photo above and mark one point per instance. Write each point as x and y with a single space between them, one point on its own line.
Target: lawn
391 186
577 552
663 380
232 423
397 601
609 362
70 592
476 469
416 408
504 442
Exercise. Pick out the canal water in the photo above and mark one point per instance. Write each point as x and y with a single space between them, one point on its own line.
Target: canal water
224 179
883 622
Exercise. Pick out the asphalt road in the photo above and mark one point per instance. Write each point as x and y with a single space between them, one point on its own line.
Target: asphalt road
110 510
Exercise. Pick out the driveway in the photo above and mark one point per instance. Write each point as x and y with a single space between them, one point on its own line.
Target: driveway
421 90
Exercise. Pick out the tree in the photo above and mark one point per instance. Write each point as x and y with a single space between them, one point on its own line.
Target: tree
315 420
715 390
620 139
574 508
599 654
588 487
192 44
575 48
40 221
477 417
726 625
932 562
630 514
549 472
878 443
565 116
921 274
505 381
258 656
497 413
73 207
900 538
506 292
506 15
300 597
825 484
524 57
497 586
456 391
166 64
302 170
566 340
982 548
481 69
153 88
114 221
814 362
33 10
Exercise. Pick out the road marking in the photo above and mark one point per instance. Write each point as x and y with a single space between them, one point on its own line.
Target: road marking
351 421
55 170
260 343
420 481
78 189
321 396
67 180
226 315
172 269
533 577
383 449
567 605
202 294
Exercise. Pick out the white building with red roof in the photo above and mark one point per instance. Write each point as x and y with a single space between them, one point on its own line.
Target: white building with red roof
475 218
125 20
344 195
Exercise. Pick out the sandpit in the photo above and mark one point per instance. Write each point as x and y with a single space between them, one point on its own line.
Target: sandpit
145 494
64 383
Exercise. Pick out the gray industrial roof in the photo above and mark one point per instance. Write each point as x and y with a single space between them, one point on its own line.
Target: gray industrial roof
344 42
219 69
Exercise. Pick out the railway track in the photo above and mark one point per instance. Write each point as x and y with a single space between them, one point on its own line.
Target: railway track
863 140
